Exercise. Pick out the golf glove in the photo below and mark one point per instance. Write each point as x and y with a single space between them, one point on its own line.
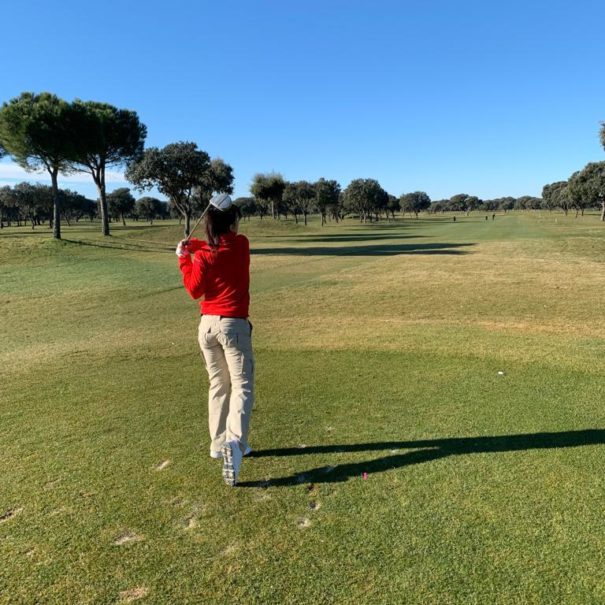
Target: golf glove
181 249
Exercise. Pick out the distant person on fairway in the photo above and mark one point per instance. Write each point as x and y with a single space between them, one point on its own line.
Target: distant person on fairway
219 271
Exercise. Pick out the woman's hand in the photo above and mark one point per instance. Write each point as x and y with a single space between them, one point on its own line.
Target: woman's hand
182 249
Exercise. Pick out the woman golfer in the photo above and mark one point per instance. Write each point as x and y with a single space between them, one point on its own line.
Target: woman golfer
220 273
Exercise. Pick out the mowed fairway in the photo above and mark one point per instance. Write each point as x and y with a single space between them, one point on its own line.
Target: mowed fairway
429 426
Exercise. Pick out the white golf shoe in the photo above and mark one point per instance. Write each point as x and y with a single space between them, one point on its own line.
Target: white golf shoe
232 461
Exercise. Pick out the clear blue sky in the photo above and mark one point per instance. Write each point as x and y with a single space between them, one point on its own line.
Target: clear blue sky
485 98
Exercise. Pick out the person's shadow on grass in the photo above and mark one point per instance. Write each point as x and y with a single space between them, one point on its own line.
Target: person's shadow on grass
423 451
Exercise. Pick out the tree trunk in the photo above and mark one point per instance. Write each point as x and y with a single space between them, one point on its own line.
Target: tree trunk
123 220
56 204
99 179
100 183
187 223
603 211
305 218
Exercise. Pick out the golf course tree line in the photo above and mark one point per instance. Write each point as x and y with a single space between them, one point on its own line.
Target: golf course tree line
32 204
583 190
42 132
363 198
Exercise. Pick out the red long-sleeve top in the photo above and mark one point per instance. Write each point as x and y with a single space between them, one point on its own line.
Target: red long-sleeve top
221 276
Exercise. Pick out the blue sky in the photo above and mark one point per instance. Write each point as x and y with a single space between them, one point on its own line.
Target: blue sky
485 98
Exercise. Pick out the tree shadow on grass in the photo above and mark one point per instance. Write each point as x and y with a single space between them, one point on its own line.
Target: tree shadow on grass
372 250
425 450
352 237
118 244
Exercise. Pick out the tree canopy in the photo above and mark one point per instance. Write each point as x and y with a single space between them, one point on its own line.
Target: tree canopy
38 131
175 170
149 208
217 178
587 186
120 203
327 196
268 189
363 197
107 136
414 202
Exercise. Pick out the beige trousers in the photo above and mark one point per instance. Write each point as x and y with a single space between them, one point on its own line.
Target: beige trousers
226 344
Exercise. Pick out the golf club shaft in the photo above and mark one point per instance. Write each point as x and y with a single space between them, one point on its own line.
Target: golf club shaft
199 220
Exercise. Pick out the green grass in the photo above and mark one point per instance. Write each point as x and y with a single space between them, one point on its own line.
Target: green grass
378 350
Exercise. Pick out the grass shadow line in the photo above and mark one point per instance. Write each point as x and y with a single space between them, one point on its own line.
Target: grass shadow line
376 250
426 450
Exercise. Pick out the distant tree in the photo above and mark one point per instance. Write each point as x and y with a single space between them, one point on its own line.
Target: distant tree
327 196
45 204
107 136
507 203
38 131
29 201
392 205
459 202
217 178
414 202
306 198
289 201
74 205
175 170
5 205
247 205
268 189
148 208
528 202
438 206
491 205
473 203
88 208
380 204
120 203
362 197
556 195
587 187
299 197
8 206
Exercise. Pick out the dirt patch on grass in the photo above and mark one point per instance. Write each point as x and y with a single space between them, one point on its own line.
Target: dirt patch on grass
127 538
133 594
162 465
231 550
10 514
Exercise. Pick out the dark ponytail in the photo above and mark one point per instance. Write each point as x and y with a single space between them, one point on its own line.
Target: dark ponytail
219 222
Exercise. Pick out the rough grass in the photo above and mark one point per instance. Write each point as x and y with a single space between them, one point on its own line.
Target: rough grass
429 425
